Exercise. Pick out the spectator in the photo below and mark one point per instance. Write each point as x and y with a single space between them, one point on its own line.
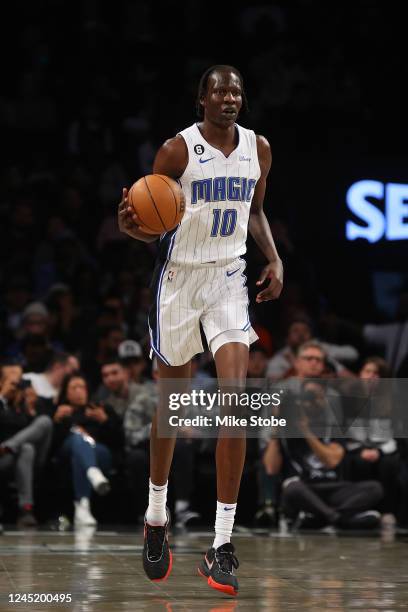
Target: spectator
257 362
65 321
35 353
86 435
131 356
35 319
107 344
48 384
16 297
282 364
392 337
118 390
74 365
137 422
311 362
372 452
313 491
25 437
138 416
113 314
35 323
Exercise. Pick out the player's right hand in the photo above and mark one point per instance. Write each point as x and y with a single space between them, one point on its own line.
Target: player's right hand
130 223
128 219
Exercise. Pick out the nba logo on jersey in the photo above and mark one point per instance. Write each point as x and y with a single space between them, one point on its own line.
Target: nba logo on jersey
170 275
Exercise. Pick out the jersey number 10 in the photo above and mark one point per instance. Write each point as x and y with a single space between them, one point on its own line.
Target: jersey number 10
223 224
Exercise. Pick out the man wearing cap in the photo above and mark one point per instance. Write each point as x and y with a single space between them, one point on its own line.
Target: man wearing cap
35 324
131 355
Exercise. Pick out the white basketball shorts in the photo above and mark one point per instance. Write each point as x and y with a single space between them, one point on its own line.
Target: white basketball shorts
185 296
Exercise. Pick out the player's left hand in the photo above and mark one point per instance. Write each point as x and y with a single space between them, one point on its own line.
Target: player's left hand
274 273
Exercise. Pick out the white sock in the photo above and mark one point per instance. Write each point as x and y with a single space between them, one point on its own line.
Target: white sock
156 510
181 505
224 523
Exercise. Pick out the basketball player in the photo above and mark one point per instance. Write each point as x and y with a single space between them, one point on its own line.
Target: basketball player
222 169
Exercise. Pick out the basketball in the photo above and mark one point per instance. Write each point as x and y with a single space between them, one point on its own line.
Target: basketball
158 202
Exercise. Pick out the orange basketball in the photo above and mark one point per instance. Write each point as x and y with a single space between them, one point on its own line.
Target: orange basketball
158 202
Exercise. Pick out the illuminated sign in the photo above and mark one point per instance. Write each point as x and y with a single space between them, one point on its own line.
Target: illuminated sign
382 209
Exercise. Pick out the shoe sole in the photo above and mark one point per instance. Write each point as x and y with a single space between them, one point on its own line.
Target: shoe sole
167 574
224 588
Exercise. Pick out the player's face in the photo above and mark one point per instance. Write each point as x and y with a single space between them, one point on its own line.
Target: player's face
223 99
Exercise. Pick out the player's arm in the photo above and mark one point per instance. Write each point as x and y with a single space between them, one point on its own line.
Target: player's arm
260 230
171 160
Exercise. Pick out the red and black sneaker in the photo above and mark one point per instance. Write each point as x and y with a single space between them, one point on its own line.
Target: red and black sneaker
157 557
218 567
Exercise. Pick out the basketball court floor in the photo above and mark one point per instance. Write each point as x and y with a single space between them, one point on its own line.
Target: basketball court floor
102 571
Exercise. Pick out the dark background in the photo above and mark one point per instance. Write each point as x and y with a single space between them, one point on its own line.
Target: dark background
90 89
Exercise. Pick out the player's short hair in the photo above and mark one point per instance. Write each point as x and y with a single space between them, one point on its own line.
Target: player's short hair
203 84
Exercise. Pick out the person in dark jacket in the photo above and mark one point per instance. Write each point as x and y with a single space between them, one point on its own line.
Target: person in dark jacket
25 437
86 435
314 493
372 450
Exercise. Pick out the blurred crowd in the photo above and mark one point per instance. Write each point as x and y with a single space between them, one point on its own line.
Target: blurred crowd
77 423
83 118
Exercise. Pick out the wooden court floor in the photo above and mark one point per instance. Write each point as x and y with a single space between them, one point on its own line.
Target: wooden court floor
102 571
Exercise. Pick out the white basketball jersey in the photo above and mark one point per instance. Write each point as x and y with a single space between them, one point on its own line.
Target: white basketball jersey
218 192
